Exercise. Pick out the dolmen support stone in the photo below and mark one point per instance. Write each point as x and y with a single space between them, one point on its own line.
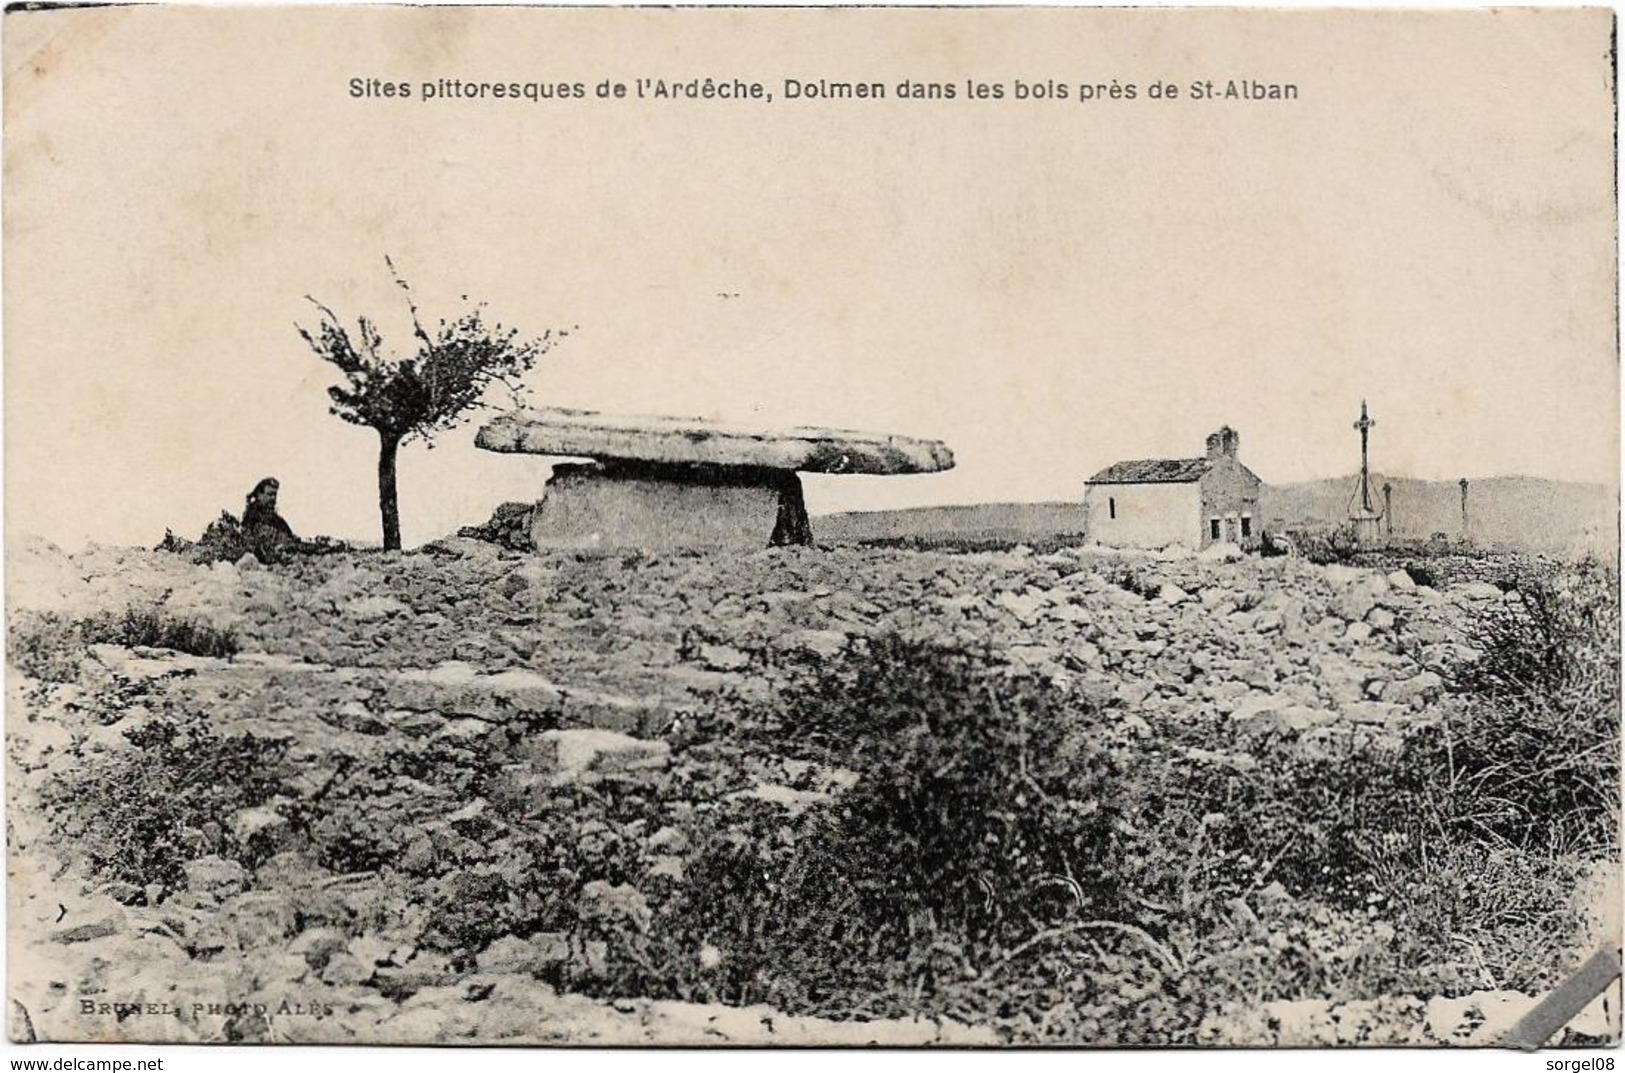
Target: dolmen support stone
666 482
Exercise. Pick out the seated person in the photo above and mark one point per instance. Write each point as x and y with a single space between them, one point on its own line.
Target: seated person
260 512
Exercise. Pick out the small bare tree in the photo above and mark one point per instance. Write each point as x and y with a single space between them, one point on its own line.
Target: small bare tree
433 389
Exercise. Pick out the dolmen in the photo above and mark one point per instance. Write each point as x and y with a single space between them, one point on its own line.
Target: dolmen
668 482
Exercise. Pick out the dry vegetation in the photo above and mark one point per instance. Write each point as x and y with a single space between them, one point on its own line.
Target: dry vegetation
1055 798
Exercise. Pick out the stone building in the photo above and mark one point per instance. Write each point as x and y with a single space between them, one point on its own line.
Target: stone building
1160 502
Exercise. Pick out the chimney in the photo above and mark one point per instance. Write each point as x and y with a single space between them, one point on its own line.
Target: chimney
1223 443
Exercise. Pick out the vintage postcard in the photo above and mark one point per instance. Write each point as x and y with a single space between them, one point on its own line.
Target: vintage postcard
448 602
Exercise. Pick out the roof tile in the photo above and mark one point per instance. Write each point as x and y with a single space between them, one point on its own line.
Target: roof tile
1154 471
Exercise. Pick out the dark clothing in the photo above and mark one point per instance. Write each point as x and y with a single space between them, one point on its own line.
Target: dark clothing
258 515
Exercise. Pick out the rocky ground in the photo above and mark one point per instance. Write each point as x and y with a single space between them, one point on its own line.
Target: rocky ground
428 732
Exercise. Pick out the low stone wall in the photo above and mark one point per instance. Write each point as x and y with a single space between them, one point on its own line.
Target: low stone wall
1502 570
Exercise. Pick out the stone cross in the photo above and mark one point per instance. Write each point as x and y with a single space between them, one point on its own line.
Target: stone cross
1364 427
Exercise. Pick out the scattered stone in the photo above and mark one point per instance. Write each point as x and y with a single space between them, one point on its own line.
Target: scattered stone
1069 613
1354 603
264 822
1097 692
1415 690
373 952
790 799
88 931
1025 606
215 877
457 688
1374 712
1475 592
1236 761
585 755
723 658
589 957
212 939
415 724
537 956
668 840
262 919
123 892
318 946
1283 665
601 900
826 644
345 970
667 868
1254 705
1277 714
1172 594
1083 655
371 608
1221 552
1133 694
509 527
420 972
1340 576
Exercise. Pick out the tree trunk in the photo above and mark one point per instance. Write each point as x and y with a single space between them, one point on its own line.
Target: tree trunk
388 505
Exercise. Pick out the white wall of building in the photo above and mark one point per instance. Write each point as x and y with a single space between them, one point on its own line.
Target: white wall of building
1147 515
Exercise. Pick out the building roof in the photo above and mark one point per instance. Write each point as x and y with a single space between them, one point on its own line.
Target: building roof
1154 471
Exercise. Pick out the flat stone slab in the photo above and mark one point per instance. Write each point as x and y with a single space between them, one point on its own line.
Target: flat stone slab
596 506
691 441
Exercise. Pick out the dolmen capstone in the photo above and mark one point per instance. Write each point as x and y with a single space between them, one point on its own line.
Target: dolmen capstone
667 482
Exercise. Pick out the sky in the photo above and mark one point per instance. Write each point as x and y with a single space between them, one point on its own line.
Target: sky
1048 286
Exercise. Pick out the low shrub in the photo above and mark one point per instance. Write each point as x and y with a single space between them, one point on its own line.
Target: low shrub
1005 850
498 875
980 816
227 540
45 645
51 646
140 815
1532 759
1327 546
155 628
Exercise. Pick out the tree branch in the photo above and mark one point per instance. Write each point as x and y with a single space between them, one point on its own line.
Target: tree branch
417 325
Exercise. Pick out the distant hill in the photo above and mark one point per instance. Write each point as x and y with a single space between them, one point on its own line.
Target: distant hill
1529 513
981 523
